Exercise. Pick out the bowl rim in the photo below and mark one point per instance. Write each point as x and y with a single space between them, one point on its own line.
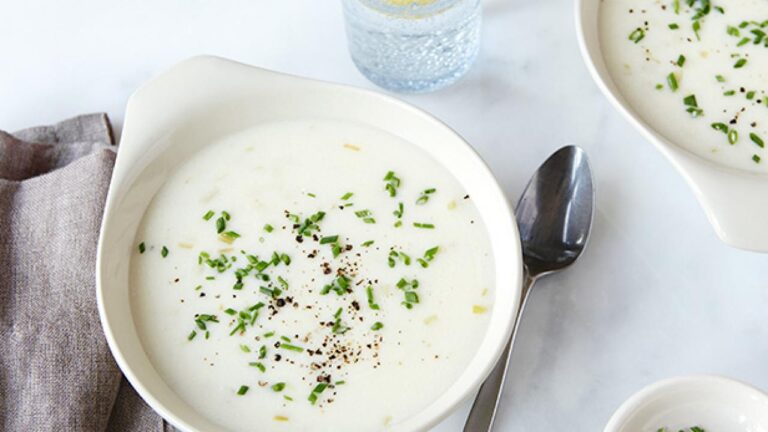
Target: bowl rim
440 407
636 401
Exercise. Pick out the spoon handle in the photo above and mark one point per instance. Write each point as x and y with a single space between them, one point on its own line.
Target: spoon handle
483 411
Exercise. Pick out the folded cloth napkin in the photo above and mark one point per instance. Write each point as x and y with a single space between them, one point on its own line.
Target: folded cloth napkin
56 371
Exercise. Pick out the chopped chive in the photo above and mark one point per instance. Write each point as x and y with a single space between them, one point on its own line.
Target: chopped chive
245 348
310 194
210 277
392 183
740 63
142 248
424 197
423 225
268 228
316 392
285 338
371 303
192 335
278 387
722 127
221 225
659 86
226 215
681 60
274 292
329 239
367 243
347 196
282 282
231 234
288 398
258 366
208 215
720 78
750 95
637 35
756 158
164 251
377 326
291 347
673 26
696 27
729 93
733 136
756 139
198 288
242 390
672 81
263 350
230 311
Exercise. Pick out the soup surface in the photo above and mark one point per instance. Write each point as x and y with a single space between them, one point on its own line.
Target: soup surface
311 275
696 71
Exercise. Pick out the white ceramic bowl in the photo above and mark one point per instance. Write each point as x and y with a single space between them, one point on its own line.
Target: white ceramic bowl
205 98
735 201
717 404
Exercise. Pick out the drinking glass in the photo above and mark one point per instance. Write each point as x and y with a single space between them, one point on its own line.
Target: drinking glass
413 45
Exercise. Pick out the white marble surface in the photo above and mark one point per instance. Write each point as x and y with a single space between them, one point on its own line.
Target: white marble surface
656 295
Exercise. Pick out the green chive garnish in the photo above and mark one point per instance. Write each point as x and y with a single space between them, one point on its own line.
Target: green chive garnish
142 248
258 366
192 335
371 303
278 387
329 239
291 347
637 35
672 81
740 63
208 215
268 228
377 326
242 390
423 225
164 251
757 140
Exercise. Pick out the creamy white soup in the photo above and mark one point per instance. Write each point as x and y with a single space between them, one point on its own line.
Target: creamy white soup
695 71
311 275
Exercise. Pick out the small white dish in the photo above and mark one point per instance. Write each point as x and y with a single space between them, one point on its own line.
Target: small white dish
205 98
713 403
733 200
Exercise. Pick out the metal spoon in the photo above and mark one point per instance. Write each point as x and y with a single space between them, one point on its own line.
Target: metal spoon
554 216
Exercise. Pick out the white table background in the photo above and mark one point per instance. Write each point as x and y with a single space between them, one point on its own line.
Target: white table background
656 294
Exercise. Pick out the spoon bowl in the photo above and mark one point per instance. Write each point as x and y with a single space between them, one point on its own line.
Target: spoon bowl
554 214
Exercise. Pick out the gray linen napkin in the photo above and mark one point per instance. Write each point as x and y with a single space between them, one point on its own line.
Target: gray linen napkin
56 371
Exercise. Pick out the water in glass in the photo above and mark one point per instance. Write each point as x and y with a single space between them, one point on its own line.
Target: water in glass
413 45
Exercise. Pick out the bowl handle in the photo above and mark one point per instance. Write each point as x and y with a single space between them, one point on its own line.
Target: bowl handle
735 202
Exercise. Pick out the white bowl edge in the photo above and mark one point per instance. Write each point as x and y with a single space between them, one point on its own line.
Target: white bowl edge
635 404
